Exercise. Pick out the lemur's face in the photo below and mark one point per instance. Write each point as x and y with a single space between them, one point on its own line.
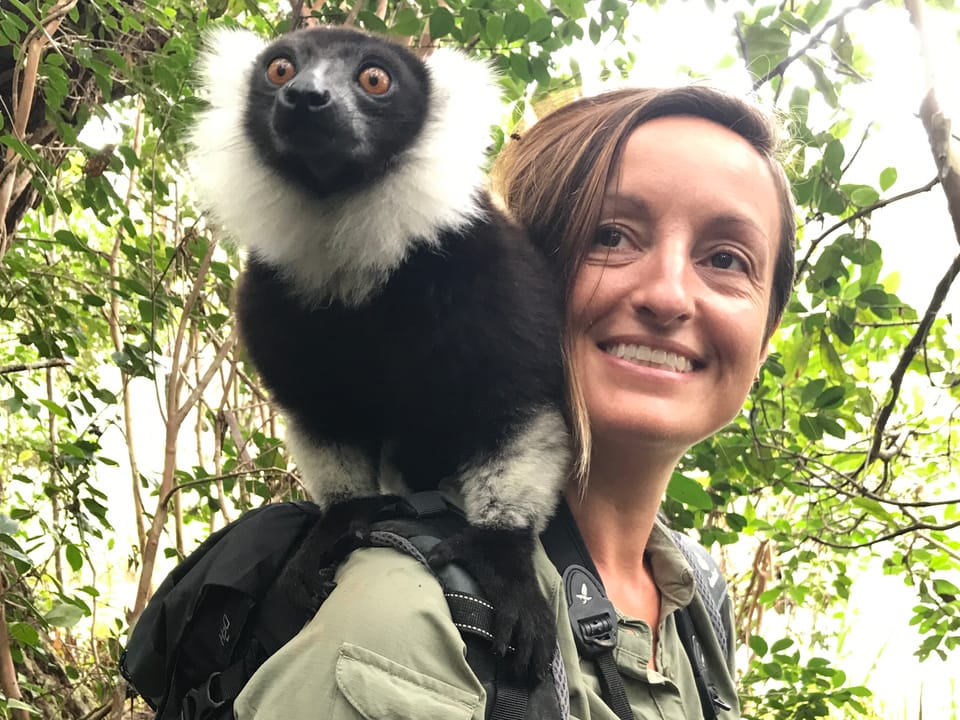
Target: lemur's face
330 110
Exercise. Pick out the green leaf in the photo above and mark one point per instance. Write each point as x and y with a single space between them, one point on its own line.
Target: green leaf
64 615
830 358
516 25
765 48
827 89
831 427
887 178
812 390
831 397
441 23
25 633
781 645
540 30
469 24
689 492
594 31
864 196
773 670
14 704
842 329
372 21
572 9
833 156
58 410
832 202
520 67
758 645
874 507
945 587
407 22
872 296
493 29
74 557
810 428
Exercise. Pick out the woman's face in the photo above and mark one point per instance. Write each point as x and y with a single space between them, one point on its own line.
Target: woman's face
669 310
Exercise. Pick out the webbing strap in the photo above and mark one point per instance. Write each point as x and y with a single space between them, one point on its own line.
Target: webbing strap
510 702
471 614
567 551
611 686
692 646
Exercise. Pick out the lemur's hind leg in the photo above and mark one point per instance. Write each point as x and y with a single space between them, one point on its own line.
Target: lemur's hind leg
332 472
342 480
509 497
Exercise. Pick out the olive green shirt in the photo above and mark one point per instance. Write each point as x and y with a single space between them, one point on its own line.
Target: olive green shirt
383 647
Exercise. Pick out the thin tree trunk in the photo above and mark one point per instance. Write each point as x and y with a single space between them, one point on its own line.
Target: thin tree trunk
8 671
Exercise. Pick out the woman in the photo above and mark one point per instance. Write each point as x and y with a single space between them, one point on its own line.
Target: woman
670 226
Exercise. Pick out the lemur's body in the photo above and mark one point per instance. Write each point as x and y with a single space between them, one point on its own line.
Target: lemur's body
406 328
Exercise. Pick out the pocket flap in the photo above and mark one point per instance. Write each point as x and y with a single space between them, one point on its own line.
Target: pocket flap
381 689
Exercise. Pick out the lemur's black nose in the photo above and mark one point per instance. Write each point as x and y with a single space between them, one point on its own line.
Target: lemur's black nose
304 95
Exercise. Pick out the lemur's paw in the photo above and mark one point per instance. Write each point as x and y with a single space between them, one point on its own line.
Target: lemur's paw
333 536
501 562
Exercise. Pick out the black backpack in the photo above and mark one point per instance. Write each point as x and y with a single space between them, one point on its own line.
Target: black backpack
226 608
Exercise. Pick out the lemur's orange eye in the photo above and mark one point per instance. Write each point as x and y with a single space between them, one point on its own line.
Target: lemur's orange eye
280 71
374 80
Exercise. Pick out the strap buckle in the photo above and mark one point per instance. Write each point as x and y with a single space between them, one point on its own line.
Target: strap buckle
592 616
202 702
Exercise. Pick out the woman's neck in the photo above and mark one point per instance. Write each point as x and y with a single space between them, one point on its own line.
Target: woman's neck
615 516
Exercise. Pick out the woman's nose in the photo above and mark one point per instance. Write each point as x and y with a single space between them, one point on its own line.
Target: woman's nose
663 290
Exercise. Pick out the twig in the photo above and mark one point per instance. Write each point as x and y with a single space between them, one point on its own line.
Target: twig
39 365
896 379
781 66
803 264
883 538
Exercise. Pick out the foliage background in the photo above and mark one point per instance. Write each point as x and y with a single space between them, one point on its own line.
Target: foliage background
132 424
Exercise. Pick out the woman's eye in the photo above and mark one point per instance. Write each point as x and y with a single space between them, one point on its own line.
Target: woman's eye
609 238
727 261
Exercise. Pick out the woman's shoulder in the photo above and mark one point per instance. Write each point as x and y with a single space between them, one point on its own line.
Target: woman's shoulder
381 645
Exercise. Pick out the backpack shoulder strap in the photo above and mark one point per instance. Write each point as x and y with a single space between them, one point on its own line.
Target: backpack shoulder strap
709 581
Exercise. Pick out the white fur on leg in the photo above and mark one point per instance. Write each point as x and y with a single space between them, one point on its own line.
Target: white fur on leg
331 472
520 486
391 479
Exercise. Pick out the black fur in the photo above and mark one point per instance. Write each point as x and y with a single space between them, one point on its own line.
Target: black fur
457 350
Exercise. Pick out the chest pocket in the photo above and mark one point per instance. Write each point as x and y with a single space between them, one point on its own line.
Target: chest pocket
381 689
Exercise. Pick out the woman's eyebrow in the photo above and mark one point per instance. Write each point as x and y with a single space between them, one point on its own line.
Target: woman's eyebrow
617 203
737 220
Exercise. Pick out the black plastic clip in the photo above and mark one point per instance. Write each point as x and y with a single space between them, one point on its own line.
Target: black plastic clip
592 616
201 703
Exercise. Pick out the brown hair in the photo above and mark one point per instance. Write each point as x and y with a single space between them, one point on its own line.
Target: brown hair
553 181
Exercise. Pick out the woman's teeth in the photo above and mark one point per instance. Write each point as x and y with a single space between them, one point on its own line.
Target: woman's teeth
643 355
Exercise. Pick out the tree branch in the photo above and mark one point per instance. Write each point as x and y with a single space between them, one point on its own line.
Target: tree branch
883 538
862 212
896 379
39 365
937 124
782 66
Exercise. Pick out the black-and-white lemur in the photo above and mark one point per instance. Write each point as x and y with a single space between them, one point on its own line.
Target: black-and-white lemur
409 332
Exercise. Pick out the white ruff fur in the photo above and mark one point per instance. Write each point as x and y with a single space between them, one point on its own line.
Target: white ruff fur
345 249
520 486
331 472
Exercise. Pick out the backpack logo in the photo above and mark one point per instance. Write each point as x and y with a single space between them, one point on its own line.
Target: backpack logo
224 631
582 595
